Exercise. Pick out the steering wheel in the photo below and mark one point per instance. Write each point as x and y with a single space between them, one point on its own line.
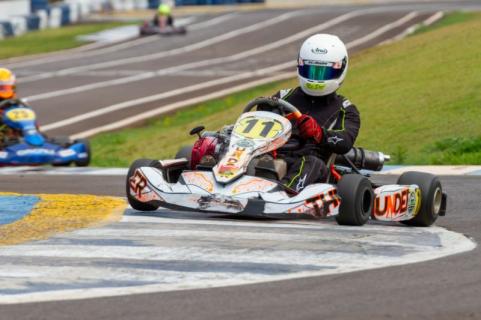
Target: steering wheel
287 109
13 101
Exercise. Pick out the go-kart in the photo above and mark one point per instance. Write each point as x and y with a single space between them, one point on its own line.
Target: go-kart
234 172
149 28
22 144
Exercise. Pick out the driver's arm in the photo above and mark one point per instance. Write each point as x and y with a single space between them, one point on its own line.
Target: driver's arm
340 139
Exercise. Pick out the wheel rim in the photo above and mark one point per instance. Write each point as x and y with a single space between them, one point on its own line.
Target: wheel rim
437 201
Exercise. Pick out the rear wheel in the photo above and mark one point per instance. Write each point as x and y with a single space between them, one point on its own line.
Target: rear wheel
431 197
134 203
357 198
185 152
64 142
86 161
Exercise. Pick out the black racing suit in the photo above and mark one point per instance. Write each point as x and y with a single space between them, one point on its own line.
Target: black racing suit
156 20
340 123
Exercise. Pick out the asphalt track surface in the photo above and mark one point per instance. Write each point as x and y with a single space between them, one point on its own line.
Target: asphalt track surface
78 92
449 288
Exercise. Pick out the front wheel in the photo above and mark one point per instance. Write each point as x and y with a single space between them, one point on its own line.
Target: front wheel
357 198
134 203
431 197
85 161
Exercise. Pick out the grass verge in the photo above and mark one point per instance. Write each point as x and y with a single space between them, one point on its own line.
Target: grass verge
419 100
49 40
449 19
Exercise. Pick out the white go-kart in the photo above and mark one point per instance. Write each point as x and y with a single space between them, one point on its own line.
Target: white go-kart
235 171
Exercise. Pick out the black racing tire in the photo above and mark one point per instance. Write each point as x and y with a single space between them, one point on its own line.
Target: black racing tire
84 162
134 203
431 197
185 152
357 199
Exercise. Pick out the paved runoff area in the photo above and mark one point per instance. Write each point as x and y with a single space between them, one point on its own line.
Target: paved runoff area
164 251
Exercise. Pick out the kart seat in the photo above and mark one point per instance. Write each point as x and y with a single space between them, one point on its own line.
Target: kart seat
268 167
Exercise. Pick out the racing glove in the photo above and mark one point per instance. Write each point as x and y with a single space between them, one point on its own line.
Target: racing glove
309 128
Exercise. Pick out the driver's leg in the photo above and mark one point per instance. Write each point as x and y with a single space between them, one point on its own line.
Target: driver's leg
303 171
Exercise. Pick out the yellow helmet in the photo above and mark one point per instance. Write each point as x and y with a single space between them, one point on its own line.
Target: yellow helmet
164 9
7 84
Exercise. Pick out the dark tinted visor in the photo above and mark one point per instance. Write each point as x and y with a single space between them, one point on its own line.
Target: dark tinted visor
321 71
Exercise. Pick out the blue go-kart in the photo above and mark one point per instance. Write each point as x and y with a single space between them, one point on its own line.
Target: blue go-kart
22 144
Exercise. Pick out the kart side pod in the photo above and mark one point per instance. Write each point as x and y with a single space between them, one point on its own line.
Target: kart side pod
396 202
417 200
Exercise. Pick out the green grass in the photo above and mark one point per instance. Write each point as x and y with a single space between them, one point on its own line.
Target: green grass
49 40
161 138
458 150
419 100
449 19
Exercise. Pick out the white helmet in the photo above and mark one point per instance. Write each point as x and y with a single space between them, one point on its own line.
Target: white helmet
322 64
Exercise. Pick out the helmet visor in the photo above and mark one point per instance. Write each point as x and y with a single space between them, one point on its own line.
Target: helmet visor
321 71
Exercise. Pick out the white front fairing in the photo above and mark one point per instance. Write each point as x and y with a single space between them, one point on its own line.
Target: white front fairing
254 133
199 190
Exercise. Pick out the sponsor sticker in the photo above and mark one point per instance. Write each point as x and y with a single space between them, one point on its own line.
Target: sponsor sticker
20 114
315 86
66 153
319 50
199 179
39 151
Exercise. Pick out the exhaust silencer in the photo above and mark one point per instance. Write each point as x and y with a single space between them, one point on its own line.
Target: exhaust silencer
363 159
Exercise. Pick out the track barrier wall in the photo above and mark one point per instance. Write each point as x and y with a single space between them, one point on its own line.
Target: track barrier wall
15 20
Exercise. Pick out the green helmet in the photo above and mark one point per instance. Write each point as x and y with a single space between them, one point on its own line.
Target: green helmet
164 10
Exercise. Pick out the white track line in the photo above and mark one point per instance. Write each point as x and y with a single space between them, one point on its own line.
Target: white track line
181 104
163 54
432 19
196 64
385 29
115 48
176 92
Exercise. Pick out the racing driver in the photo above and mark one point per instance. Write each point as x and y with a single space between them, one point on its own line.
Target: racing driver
163 17
7 86
330 123
7 96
